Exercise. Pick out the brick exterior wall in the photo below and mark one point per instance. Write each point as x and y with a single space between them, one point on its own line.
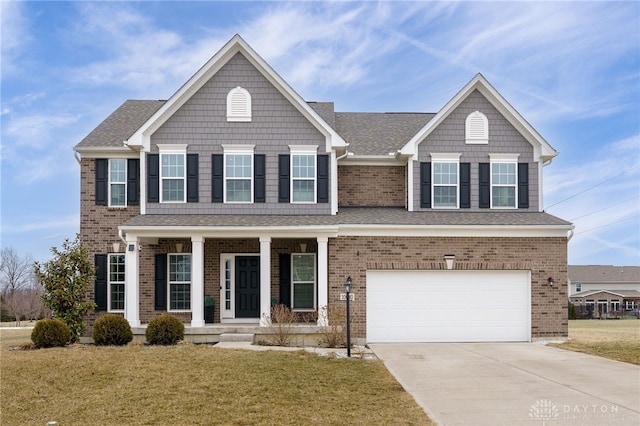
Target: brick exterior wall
544 257
380 186
98 224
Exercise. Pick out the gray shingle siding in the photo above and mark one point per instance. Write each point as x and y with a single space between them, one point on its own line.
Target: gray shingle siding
449 137
202 124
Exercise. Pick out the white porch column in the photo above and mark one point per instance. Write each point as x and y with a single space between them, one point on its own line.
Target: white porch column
131 283
323 281
410 185
197 281
265 280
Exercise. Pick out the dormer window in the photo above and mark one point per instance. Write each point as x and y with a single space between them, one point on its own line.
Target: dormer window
238 105
477 128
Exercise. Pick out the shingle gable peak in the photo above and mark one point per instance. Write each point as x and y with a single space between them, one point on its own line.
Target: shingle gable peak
141 138
542 149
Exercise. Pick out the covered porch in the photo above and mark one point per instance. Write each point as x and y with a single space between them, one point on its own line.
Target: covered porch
245 270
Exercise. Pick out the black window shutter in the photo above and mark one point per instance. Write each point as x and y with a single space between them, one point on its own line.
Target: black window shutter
153 178
425 185
323 178
133 181
283 178
102 175
523 185
465 185
285 279
192 178
100 285
259 176
485 185
217 176
161 282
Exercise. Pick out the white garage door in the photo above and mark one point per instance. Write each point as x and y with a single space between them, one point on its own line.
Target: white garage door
448 306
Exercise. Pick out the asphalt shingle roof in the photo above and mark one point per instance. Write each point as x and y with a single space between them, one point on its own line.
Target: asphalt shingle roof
604 273
355 216
121 124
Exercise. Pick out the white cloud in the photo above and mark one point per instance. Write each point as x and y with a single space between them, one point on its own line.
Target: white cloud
38 224
14 33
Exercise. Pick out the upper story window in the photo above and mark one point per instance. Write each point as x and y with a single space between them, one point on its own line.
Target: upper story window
115 291
303 174
445 180
117 183
238 173
504 182
477 128
578 287
173 182
238 105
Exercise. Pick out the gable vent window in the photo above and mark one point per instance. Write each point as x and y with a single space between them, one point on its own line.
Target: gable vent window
477 128
238 105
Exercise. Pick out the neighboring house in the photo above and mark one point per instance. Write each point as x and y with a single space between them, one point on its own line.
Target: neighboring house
237 188
604 290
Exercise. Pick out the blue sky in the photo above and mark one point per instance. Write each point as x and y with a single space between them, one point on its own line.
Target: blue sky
571 69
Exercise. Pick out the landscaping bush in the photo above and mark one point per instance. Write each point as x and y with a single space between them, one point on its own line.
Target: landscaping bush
280 326
49 333
112 329
164 330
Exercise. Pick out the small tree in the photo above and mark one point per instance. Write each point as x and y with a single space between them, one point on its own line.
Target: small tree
65 280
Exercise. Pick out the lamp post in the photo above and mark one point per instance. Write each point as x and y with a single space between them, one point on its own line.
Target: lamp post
347 288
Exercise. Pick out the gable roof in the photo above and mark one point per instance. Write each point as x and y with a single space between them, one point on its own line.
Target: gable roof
141 138
604 274
120 125
541 148
629 294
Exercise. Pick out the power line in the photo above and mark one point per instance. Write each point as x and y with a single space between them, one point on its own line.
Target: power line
608 224
605 208
591 187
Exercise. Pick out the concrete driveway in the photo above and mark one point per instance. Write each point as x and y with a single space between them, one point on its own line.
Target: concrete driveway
514 384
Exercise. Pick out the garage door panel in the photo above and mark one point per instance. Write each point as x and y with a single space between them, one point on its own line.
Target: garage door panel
448 306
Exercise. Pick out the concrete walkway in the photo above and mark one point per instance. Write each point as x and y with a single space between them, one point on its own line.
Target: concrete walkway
514 384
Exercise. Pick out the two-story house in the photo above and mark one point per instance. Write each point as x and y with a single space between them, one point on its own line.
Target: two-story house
239 189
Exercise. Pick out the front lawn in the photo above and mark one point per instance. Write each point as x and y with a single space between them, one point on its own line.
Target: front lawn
194 384
614 339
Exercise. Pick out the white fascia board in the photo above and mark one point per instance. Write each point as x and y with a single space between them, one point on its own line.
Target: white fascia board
107 152
230 231
142 136
468 231
372 160
542 149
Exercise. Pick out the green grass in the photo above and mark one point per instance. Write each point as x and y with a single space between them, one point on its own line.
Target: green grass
194 384
614 339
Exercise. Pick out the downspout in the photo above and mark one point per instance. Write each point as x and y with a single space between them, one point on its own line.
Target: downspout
122 238
75 155
344 155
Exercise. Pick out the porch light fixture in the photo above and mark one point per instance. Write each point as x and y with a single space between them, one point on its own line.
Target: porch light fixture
449 258
179 247
347 288
550 281
303 247
116 247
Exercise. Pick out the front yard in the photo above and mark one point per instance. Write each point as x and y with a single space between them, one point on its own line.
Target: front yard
613 339
194 384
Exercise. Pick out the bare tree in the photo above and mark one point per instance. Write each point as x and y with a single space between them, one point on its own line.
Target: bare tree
16 272
26 302
17 283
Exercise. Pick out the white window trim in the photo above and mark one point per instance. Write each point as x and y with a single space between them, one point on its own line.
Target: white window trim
109 283
169 282
578 287
117 183
233 116
445 158
237 150
504 159
315 284
304 150
474 140
227 314
172 149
